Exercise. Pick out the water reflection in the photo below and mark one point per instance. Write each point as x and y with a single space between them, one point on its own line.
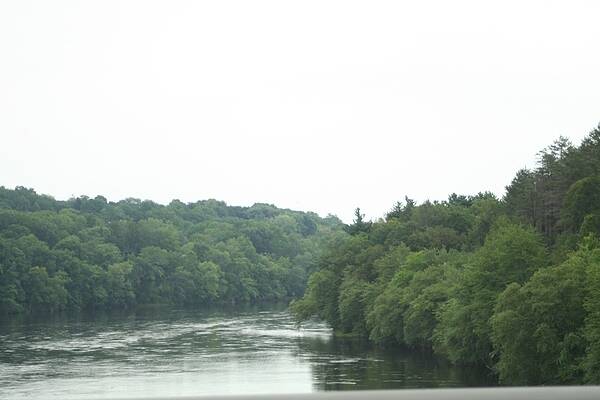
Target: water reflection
353 364
166 352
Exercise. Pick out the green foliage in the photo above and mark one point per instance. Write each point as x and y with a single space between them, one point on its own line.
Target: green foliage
511 284
582 199
196 283
538 328
352 303
321 298
590 225
93 254
119 286
358 225
520 197
511 253
591 330
385 320
44 292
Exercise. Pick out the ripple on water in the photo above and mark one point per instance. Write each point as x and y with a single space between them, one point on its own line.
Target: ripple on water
263 352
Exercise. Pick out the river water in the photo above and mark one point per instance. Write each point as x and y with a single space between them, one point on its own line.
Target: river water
183 353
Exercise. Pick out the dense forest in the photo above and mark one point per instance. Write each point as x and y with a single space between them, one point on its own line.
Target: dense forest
91 254
511 284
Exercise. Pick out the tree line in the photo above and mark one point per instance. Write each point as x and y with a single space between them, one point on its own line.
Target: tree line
511 284
92 254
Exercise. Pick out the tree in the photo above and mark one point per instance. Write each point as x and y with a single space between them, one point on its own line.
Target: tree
583 198
521 198
358 224
510 254
45 293
537 326
119 285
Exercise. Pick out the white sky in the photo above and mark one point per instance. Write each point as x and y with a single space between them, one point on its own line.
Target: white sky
311 105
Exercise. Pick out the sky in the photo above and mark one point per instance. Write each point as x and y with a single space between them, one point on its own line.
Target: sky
310 105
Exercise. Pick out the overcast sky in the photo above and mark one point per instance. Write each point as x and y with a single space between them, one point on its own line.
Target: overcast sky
310 105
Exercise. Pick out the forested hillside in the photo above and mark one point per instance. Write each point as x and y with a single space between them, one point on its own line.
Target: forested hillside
512 284
89 253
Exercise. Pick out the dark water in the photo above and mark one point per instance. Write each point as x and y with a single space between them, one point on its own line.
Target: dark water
176 353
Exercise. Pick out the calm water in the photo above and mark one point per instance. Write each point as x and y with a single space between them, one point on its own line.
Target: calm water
177 353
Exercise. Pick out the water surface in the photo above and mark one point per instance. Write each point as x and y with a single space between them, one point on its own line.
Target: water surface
177 353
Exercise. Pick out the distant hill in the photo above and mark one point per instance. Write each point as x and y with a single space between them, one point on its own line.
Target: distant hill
89 253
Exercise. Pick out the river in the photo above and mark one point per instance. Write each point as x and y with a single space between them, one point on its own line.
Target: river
180 353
